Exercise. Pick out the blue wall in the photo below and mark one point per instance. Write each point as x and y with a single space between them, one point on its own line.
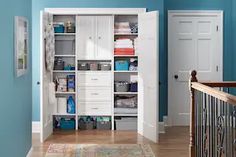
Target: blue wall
15 93
226 6
38 5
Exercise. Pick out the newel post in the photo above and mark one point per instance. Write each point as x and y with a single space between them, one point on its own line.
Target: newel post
192 114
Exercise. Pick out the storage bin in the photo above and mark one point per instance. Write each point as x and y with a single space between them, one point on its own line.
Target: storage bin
105 66
122 65
93 66
86 125
59 64
67 124
70 27
103 125
121 86
59 28
83 66
126 124
134 87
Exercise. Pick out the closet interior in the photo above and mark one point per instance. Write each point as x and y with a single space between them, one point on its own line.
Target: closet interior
96 72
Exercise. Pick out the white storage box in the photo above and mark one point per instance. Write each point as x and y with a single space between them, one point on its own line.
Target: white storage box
126 124
62 105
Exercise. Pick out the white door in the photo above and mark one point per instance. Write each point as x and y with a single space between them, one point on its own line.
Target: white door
46 119
104 37
148 75
86 37
194 43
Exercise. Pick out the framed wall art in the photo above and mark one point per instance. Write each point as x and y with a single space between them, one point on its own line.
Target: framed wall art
21 45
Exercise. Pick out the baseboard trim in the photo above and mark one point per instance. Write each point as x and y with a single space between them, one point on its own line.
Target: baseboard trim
165 120
35 127
161 127
29 154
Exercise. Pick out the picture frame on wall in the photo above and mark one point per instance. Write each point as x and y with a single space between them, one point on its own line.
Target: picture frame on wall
21 45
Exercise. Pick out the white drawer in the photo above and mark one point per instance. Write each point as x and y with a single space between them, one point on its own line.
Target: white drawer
94 79
95 94
94 109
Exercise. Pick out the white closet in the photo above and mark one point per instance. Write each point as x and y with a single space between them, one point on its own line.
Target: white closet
93 42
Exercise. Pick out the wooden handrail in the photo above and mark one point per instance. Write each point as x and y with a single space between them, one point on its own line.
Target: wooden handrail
209 89
226 84
228 98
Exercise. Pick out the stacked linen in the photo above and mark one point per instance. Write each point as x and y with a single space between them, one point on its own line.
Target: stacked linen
124 47
136 45
122 28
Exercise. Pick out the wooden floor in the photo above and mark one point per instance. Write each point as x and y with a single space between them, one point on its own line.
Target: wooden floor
174 143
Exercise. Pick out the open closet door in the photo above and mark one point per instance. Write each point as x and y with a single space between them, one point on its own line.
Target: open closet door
148 75
46 119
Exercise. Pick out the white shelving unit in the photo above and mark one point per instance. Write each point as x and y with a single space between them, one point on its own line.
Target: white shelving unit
94 41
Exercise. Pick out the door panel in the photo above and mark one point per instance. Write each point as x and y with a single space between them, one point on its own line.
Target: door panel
104 37
148 75
193 45
46 119
86 37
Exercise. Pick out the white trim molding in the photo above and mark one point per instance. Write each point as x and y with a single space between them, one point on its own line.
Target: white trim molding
97 11
29 154
36 127
162 128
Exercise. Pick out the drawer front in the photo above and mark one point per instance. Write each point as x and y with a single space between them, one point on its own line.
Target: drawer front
94 109
95 94
94 79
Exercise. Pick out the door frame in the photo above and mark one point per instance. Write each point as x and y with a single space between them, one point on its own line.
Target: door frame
179 13
82 11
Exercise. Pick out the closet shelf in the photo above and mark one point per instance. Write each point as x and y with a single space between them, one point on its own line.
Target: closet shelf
126 56
65 34
125 93
124 115
65 92
61 114
127 34
63 71
64 55
126 71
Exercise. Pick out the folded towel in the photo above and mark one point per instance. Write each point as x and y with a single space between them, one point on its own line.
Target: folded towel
124 46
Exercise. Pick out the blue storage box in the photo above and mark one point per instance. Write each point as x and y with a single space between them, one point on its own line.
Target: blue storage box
59 28
67 124
134 87
122 65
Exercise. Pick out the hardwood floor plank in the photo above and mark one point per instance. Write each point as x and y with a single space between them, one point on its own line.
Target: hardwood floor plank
174 143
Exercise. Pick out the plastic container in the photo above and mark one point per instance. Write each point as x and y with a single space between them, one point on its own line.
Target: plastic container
71 83
126 124
93 66
59 28
70 105
121 86
134 87
83 66
104 66
122 65
67 124
62 105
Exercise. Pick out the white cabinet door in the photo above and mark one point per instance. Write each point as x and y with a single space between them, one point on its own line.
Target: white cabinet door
86 37
46 120
148 75
104 37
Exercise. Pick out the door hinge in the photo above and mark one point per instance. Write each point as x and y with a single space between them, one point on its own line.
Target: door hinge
217 28
217 68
